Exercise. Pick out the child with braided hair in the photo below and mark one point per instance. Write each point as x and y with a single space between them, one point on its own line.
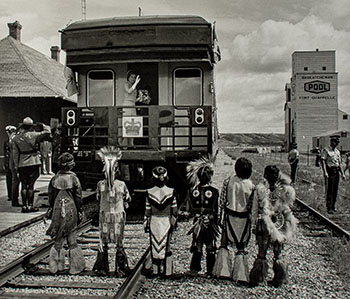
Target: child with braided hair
65 211
160 218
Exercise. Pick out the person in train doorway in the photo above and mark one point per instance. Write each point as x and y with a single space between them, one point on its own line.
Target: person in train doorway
160 219
293 160
274 225
12 181
235 202
129 103
204 207
113 196
65 212
331 166
27 160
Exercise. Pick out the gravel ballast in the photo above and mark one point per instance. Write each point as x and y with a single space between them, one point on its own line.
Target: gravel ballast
311 273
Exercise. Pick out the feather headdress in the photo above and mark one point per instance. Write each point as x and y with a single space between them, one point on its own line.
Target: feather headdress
194 168
110 155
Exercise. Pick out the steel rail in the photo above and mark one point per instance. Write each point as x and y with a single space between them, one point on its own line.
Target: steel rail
21 225
18 266
329 223
131 284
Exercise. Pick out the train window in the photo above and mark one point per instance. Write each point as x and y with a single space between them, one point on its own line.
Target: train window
187 87
100 88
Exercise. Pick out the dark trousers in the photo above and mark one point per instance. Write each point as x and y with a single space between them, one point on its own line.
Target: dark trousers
332 187
14 187
9 183
28 176
12 184
293 174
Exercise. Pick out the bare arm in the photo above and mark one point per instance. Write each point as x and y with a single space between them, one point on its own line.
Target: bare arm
133 87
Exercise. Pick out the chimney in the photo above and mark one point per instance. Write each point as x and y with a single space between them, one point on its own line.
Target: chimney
15 30
55 53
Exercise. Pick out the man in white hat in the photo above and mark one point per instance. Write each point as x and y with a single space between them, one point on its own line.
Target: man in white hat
12 182
27 160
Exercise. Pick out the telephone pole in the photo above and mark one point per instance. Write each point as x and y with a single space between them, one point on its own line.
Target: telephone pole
83 10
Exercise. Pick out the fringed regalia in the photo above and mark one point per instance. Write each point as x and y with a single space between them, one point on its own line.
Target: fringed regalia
275 225
236 200
160 216
65 201
113 196
203 205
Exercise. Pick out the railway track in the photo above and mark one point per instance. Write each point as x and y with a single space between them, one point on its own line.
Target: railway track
307 199
29 276
337 229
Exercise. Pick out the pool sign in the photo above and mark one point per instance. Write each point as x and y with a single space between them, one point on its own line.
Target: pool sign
317 86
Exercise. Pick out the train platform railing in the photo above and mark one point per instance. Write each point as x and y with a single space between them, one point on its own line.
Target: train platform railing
158 128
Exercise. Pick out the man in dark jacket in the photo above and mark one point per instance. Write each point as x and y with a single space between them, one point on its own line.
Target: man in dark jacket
10 130
27 160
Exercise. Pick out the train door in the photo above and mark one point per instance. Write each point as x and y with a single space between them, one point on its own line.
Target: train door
149 78
187 93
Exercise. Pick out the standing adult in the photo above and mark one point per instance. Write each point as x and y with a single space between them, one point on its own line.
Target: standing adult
331 167
14 174
130 96
27 160
10 130
318 156
46 153
293 159
347 163
56 147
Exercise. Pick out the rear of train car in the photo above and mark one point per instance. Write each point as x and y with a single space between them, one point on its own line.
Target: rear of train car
175 58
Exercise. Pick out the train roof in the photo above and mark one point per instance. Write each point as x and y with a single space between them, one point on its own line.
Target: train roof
140 39
138 21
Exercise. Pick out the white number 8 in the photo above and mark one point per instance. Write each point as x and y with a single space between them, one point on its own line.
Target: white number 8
70 118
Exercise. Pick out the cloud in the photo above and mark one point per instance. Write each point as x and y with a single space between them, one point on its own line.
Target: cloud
251 79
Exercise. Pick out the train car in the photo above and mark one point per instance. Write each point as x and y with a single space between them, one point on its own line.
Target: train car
175 58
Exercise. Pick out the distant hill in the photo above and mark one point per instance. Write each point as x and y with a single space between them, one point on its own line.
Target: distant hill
254 139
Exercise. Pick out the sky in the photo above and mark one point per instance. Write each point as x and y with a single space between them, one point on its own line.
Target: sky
256 38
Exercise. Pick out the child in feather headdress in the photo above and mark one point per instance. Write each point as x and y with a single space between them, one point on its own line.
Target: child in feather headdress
114 197
203 205
273 223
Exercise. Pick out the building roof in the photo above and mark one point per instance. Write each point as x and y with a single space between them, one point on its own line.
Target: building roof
342 111
25 72
330 133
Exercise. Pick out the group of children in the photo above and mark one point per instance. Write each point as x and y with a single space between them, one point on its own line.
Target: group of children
241 208
227 217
